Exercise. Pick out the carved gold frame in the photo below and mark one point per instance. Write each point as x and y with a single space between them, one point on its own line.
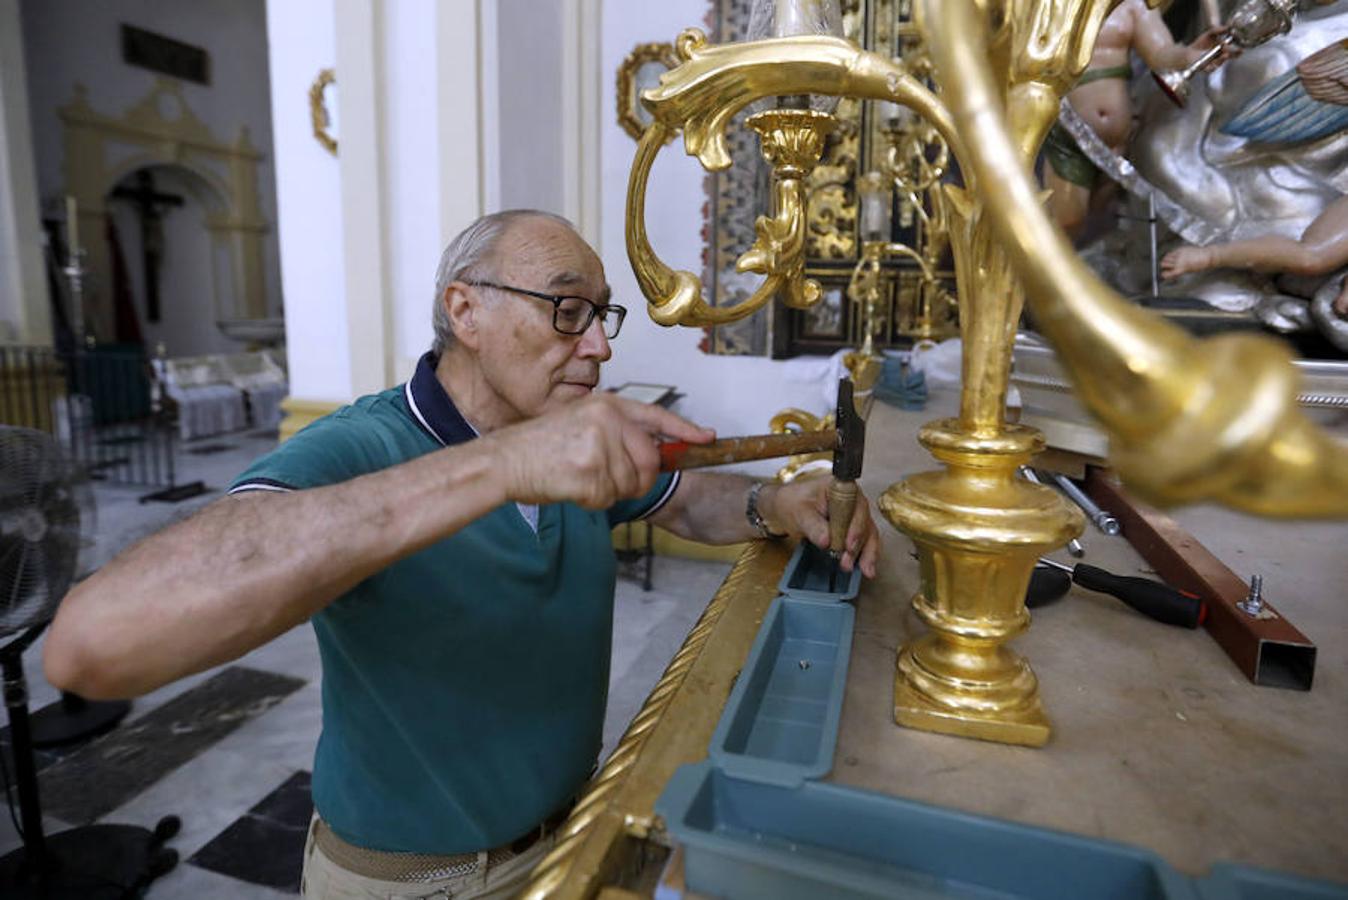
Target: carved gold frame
318 110
629 103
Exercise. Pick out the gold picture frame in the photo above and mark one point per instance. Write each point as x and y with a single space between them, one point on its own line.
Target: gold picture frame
319 116
640 70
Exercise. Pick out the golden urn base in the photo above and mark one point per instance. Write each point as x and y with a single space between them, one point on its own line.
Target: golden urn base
1004 707
978 528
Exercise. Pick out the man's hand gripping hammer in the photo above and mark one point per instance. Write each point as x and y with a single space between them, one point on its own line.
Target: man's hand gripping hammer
847 457
847 442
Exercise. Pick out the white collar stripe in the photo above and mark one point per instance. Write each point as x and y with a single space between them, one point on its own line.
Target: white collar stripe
416 411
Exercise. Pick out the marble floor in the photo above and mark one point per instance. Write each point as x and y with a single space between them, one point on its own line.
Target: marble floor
261 765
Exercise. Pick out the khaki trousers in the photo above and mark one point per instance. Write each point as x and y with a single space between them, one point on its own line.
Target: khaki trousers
323 879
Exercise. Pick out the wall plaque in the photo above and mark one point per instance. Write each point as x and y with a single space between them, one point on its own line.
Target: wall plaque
163 54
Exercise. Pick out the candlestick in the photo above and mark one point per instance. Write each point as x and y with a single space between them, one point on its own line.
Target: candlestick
874 192
72 224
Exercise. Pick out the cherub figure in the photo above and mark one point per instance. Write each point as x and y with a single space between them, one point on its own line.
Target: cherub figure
1322 250
1101 99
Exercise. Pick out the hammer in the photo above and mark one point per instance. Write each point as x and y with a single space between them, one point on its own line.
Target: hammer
847 442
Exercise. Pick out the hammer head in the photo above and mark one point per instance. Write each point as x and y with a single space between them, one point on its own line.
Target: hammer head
851 435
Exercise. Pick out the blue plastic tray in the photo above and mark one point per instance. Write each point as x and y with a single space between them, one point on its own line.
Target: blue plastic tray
807 573
744 839
1232 882
780 724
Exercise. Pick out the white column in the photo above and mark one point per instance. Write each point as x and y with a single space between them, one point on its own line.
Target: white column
25 314
301 38
360 77
413 162
361 234
582 90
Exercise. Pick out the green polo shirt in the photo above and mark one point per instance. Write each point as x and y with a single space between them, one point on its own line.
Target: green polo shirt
464 686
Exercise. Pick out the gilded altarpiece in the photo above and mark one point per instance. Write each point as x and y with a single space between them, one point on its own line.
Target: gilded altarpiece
741 193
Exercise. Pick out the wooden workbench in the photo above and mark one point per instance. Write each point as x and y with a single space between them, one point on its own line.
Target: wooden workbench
1159 740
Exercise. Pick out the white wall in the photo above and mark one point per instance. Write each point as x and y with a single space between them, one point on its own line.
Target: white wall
734 395
411 92
69 41
24 311
362 232
530 84
301 42
424 79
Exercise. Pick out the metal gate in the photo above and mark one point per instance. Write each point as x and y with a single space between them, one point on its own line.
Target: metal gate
103 404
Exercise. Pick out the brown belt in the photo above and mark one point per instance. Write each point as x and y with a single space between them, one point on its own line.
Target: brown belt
384 865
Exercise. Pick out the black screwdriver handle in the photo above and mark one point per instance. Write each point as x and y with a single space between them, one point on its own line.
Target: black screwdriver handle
1151 598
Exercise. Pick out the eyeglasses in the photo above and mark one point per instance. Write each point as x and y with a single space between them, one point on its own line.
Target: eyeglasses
571 315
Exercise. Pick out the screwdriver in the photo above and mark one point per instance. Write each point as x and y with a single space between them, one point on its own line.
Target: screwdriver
1151 598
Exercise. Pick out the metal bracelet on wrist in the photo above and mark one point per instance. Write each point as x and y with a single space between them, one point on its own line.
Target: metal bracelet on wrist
756 520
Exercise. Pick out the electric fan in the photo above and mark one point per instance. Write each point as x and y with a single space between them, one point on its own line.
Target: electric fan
41 496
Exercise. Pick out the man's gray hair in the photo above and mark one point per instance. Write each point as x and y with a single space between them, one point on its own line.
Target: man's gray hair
468 258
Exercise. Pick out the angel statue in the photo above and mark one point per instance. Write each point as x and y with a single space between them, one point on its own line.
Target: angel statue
1307 104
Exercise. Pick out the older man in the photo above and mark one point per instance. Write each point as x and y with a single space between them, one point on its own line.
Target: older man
449 540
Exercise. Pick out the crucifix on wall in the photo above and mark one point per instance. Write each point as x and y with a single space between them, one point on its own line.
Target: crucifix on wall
150 205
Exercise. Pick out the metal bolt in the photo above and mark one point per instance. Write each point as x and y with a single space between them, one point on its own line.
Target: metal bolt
1253 604
1101 519
1073 546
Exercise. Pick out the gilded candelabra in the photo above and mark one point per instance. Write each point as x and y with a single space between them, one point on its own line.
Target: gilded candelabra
1181 433
977 527
916 160
1211 419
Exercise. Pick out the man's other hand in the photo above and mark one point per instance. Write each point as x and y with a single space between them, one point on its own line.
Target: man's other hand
594 452
801 509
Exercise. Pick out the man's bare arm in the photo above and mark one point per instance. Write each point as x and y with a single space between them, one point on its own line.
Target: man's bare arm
1157 46
709 507
249 567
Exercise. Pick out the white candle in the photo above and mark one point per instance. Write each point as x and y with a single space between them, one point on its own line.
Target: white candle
72 225
796 17
874 191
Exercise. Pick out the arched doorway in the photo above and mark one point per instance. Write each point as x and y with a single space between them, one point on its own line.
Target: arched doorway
161 135
172 274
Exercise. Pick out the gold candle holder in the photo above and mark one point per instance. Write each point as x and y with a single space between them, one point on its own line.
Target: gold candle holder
978 530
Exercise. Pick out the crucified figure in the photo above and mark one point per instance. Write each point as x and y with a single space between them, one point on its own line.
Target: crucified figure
1322 249
1101 99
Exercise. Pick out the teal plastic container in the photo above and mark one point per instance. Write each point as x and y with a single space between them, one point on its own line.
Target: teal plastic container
780 724
1228 881
807 577
745 839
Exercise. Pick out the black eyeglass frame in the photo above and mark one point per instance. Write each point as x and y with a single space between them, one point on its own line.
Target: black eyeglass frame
556 301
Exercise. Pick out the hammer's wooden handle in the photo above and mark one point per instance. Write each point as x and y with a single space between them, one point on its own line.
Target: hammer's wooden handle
683 455
842 503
